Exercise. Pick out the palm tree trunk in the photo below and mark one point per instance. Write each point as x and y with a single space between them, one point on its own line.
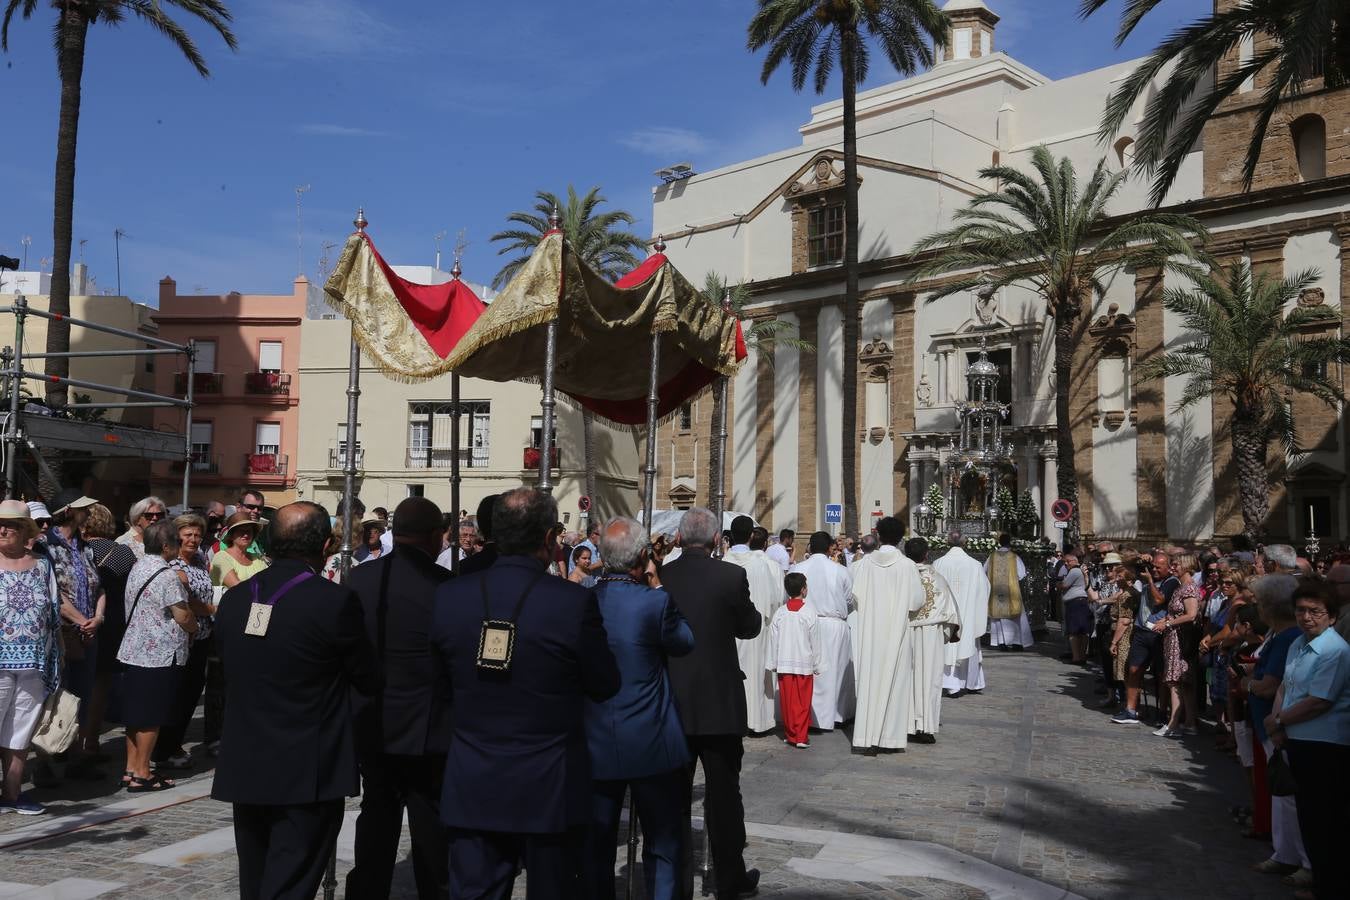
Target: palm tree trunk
1249 454
588 445
74 26
1067 481
848 469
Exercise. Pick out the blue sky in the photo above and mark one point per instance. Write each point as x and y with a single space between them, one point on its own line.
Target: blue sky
436 115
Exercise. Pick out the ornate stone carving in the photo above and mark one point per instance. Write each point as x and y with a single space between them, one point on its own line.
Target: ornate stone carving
924 392
824 174
1313 296
986 304
876 352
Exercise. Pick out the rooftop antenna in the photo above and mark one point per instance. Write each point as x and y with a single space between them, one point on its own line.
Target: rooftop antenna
27 241
118 234
300 191
439 236
461 244
83 241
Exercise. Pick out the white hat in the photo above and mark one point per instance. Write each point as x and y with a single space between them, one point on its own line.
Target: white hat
38 509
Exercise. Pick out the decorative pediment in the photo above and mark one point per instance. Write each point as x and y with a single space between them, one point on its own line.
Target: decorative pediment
1115 330
823 174
682 493
1312 297
1303 469
876 352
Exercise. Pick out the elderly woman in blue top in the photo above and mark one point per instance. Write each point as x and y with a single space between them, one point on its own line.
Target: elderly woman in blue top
635 737
1312 722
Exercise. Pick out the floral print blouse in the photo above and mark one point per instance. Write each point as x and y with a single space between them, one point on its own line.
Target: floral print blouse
153 639
30 623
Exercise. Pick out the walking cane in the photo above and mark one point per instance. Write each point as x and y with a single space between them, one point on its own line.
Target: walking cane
632 844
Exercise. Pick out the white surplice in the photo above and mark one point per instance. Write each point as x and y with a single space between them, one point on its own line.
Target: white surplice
767 594
929 628
829 589
970 587
886 588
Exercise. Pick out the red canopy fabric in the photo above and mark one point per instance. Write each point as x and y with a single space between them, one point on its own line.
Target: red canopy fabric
442 313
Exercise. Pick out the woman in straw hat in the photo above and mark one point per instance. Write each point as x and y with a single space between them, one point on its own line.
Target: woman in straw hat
30 656
235 563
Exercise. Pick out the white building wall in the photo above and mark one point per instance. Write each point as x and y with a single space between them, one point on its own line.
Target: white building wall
876 477
1190 445
745 411
786 428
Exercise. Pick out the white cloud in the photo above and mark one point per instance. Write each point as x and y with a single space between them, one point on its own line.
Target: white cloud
311 29
330 129
666 141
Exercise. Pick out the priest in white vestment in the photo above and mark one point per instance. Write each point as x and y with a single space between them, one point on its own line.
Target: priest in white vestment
887 589
962 670
1009 627
767 594
831 588
931 628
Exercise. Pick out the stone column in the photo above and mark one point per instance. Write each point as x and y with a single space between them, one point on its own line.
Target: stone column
808 328
915 492
1032 464
1051 494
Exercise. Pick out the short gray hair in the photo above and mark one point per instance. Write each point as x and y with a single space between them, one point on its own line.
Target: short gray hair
699 528
140 506
1275 595
1283 556
622 541
161 536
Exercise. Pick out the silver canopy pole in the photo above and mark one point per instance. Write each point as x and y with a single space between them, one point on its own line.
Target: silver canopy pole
455 414
653 387
187 427
15 387
546 402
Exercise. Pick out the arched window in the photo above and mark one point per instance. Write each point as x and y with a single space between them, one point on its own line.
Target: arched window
1310 146
1125 152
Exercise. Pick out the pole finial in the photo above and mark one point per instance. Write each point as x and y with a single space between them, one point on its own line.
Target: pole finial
360 221
455 270
726 299
660 245
554 219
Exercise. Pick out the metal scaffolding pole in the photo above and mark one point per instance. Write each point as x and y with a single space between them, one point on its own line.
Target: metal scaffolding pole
14 363
95 326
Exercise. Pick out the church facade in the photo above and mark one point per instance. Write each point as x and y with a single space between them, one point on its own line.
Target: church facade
1147 470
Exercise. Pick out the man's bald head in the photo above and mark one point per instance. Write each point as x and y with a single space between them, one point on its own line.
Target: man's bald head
417 523
299 531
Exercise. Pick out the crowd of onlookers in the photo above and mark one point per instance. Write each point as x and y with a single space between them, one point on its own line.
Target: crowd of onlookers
1251 641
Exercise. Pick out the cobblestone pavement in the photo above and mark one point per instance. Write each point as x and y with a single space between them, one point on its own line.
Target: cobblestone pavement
1028 793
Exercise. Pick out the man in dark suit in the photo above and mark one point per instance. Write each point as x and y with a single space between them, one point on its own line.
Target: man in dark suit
635 737
293 649
486 556
715 597
402 733
523 650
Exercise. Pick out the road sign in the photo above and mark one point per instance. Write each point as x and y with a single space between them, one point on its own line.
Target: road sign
584 504
834 513
1062 526
1062 510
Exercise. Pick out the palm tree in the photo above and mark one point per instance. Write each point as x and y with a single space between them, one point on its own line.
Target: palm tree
73 18
1311 38
817 33
597 239
763 336
1245 348
1054 235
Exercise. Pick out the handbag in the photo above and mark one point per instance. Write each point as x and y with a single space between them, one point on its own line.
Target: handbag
59 723
1279 775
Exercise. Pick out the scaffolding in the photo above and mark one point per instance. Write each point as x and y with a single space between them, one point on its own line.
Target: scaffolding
38 430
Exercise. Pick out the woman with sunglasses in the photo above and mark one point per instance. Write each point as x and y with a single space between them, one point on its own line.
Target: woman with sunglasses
143 514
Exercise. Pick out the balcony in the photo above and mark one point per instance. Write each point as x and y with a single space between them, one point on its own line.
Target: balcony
337 458
212 383
441 458
273 464
202 464
532 456
267 384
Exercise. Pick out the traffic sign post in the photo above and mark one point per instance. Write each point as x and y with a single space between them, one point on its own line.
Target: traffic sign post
834 513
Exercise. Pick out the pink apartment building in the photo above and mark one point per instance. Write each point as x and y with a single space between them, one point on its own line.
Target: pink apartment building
245 426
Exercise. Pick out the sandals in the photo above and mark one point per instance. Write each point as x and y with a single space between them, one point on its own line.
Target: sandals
140 785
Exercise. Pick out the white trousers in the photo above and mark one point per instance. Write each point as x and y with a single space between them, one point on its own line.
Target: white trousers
967 675
21 697
1284 833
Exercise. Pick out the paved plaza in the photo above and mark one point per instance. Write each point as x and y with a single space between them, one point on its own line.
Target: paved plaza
1030 793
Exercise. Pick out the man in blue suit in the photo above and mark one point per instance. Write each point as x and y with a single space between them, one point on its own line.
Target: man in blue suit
523 651
636 738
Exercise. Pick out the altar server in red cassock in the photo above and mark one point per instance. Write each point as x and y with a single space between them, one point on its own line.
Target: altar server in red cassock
794 654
